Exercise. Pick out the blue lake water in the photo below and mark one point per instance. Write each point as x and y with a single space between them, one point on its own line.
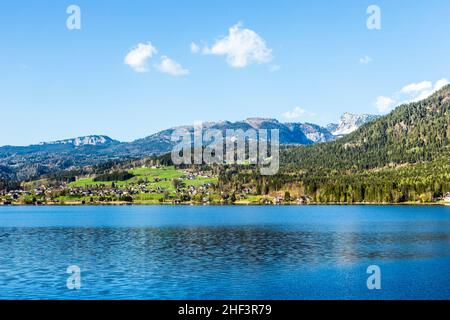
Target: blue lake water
241 252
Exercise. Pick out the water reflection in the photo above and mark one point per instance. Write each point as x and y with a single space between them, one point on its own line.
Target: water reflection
245 245
278 260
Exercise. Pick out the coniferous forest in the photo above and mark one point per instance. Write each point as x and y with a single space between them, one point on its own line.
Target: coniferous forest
401 157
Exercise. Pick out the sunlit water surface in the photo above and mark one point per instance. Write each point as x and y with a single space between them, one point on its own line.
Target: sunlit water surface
241 252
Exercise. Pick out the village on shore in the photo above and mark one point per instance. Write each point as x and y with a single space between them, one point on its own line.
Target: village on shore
140 194
144 193
157 185
150 185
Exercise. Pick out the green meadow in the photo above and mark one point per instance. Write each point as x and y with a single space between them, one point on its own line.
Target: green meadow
153 177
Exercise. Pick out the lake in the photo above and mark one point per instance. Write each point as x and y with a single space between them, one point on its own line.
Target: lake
225 252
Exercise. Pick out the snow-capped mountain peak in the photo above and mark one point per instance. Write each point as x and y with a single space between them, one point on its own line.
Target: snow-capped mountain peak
350 122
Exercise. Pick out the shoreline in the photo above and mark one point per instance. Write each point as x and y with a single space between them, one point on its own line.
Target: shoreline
237 204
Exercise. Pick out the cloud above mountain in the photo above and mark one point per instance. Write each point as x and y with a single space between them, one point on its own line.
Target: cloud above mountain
171 67
297 113
365 60
242 47
417 87
195 48
138 57
412 92
384 104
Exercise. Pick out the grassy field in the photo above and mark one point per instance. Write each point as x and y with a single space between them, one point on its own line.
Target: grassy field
164 175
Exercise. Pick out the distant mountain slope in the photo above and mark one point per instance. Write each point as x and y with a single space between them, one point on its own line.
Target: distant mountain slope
161 141
412 133
314 132
83 141
35 160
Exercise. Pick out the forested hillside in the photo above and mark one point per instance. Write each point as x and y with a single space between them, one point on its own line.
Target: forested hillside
401 157
412 133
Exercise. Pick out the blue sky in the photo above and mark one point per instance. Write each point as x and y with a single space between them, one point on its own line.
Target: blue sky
307 62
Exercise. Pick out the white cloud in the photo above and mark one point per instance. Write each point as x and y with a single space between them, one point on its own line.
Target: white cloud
242 47
384 104
365 60
412 92
195 48
137 58
440 84
422 95
296 113
415 87
171 67
421 90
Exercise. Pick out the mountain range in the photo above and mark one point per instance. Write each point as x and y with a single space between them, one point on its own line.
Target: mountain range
18 163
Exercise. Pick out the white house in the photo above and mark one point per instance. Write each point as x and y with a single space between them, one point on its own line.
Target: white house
447 197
